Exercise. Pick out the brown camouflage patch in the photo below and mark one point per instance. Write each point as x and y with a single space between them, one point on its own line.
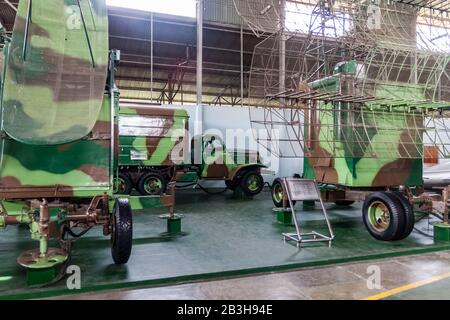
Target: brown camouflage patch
394 173
161 112
323 164
64 147
11 188
102 127
10 182
217 171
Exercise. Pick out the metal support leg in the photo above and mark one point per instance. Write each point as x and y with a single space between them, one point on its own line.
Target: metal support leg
44 219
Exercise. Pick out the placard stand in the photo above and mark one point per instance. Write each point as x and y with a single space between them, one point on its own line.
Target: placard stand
305 190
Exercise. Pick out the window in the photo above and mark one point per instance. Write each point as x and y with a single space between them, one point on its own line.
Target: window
300 18
142 126
186 8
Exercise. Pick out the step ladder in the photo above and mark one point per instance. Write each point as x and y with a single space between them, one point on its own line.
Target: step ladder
305 190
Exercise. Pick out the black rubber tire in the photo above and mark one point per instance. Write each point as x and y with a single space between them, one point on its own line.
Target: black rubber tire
154 175
128 184
344 203
122 231
410 218
396 213
230 185
278 204
244 184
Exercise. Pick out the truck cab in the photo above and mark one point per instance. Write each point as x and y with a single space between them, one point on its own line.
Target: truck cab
154 150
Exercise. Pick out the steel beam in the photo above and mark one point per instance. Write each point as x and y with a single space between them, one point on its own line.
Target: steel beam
198 130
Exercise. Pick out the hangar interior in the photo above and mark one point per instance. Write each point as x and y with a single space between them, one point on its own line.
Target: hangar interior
337 108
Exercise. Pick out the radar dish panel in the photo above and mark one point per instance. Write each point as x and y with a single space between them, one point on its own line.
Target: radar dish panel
56 72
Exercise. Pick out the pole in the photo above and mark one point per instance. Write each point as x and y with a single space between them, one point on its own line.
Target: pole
242 65
199 108
151 56
198 129
282 50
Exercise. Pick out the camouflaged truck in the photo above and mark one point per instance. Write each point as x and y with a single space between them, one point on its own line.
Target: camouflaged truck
59 105
349 168
154 149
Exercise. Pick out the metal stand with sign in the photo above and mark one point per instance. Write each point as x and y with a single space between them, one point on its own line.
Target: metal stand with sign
305 190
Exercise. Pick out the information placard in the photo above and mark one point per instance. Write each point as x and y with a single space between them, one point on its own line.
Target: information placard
302 189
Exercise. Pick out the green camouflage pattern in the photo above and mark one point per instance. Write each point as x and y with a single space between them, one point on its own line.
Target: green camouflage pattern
339 156
80 168
156 137
153 136
56 131
142 202
56 73
220 163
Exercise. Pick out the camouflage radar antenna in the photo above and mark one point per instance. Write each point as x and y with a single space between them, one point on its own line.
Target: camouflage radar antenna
56 74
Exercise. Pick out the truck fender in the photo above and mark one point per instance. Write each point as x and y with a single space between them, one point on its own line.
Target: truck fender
245 168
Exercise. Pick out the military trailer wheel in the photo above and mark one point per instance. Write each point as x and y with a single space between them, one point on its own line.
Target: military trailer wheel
122 231
252 183
152 184
344 203
124 185
384 216
410 218
277 193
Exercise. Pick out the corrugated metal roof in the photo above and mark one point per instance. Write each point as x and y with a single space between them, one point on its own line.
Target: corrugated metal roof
222 11
175 56
174 49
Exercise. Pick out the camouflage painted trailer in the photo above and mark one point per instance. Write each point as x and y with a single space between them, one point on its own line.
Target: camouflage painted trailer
59 105
155 149
368 152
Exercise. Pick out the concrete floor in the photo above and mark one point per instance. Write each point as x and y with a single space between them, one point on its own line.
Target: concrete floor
409 277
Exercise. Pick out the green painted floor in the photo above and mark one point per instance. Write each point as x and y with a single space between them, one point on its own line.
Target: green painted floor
223 237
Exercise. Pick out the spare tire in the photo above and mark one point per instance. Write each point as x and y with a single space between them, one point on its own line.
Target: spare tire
410 218
384 216
122 231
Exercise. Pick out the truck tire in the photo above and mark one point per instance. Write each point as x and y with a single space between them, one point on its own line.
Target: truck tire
252 183
230 184
124 184
344 203
152 184
122 231
410 218
384 216
277 193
